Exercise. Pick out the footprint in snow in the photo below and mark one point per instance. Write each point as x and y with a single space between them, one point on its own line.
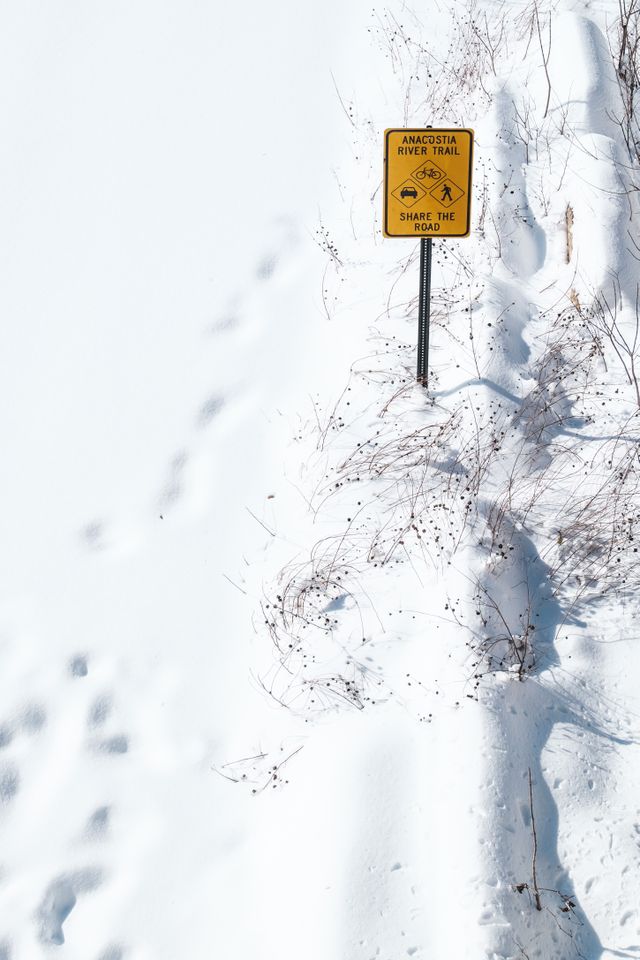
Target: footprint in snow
267 267
225 323
270 261
186 483
209 410
93 535
9 783
173 488
30 721
97 827
114 952
33 718
59 900
100 711
112 745
78 666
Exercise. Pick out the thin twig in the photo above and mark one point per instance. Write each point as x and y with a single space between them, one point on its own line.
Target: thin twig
545 57
234 584
536 890
258 520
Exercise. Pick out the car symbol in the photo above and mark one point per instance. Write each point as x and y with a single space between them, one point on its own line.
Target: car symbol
409 192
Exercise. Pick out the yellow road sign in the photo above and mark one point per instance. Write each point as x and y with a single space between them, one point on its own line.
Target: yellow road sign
427 182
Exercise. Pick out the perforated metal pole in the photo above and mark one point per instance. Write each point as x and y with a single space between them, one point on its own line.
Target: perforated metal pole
424 311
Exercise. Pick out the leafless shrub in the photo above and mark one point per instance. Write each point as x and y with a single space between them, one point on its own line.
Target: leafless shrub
545 51
501 648
625 51
620 332
429 485
434 480
479 42
594 548
524 126
260 771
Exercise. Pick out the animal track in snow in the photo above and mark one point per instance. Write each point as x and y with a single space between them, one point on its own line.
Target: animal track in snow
98 824
98 715
209 410
267 267
30 722
100 711
78 666
225 323
174 485
33 718
9 783
114 952
93 535
113 745
59 900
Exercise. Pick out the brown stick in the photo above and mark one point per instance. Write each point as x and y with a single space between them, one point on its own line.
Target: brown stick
545 56
569 223
536 890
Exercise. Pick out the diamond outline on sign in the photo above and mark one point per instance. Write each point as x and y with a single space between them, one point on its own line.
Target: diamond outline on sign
409 183
424 164
443 183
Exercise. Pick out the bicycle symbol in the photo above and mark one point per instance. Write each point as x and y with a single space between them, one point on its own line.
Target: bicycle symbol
428 172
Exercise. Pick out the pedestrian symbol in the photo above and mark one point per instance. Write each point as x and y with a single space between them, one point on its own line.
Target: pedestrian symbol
447 193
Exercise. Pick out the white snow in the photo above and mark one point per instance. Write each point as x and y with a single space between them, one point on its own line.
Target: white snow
291 649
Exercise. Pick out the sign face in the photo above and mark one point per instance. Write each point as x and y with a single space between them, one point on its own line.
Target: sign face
427 182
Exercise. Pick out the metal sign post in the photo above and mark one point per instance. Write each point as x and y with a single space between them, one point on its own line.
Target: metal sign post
424 312
427 193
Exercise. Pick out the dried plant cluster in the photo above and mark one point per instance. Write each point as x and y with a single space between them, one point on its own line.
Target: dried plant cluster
549 500
438 87
517 482
624 41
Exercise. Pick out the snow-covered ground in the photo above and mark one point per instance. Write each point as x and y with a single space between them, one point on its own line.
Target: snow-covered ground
297 658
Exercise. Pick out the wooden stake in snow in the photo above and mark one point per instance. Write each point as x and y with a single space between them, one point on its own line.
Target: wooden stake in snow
569 223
